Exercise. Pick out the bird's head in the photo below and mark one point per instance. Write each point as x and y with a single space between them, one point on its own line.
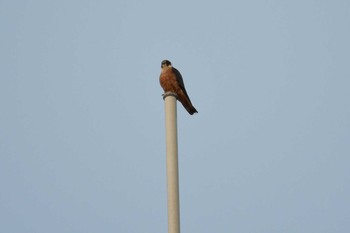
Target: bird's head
165 63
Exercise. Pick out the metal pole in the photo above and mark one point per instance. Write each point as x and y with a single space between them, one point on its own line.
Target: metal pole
172 162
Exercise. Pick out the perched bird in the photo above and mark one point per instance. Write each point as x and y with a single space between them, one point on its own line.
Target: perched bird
171 81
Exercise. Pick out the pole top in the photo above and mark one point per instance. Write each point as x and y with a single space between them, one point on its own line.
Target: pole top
169 93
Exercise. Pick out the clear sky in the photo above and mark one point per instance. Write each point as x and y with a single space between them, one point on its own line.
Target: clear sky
82 145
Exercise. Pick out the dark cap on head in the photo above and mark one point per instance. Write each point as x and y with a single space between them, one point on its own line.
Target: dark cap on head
166 62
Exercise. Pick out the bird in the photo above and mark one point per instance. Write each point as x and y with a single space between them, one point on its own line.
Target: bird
171 81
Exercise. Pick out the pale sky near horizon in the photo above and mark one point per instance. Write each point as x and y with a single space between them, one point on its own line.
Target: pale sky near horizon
82 145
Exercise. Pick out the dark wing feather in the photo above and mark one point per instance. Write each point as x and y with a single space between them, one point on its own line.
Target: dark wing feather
180 81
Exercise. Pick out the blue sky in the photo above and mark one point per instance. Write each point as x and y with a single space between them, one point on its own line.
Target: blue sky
82 145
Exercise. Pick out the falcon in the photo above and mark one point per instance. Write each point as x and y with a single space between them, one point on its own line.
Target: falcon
171 81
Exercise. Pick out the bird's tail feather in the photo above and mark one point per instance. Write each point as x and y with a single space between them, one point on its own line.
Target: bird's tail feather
188 106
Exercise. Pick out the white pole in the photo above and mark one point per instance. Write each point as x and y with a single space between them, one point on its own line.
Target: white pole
172 162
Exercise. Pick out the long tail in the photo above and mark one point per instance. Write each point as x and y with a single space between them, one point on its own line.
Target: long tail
186 102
